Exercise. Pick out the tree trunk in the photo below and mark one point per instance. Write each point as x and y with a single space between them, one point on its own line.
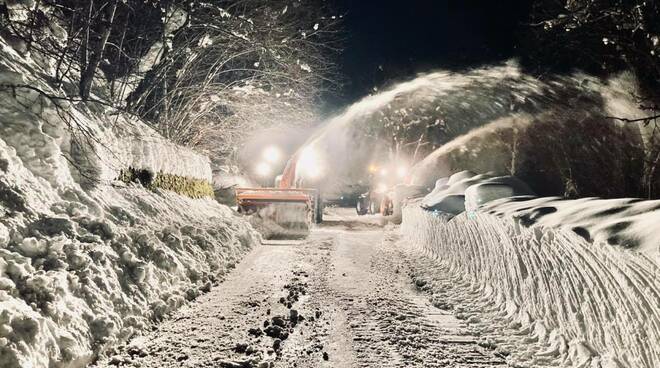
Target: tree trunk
165 117
84 47
33 21
514 152
87 75
113 95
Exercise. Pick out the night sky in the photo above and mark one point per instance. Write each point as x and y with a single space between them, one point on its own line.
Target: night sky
408 37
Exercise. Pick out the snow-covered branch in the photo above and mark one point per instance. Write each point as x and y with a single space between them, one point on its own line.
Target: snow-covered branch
182 66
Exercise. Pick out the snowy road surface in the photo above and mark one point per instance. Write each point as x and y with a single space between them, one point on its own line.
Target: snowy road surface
342 298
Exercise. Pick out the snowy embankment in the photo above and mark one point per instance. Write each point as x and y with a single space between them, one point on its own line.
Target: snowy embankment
578 280
87 261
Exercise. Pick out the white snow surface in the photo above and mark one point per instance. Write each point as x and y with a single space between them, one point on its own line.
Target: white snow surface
528 271
625 222
112 140
86 263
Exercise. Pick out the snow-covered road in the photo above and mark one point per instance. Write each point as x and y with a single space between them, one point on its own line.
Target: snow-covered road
343 298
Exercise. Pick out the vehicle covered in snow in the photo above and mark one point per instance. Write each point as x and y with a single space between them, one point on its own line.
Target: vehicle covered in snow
467 191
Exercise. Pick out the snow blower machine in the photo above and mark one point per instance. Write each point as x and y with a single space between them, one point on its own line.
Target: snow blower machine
285 211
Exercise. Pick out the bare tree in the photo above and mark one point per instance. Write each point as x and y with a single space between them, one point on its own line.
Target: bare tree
202 73
89 64
248 56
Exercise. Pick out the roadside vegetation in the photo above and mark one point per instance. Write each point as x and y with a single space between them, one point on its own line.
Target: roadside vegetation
204 74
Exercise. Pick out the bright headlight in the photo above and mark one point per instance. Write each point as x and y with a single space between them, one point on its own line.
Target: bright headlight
402 171
272 154
263 169
309 164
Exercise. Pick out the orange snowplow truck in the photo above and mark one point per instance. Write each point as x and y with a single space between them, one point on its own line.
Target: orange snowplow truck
287 196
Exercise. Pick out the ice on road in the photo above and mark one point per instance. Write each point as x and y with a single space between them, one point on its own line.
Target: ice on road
342 298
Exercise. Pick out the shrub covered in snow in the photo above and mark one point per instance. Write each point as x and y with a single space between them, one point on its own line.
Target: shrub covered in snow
578 278
191 187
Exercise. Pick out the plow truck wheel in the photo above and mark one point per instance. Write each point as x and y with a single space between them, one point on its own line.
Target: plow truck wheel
374 207
318 209
360 207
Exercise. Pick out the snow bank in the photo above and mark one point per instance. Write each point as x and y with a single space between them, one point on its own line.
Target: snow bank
120 143
400 195
547 272
143 148
85 263
626 222
96 139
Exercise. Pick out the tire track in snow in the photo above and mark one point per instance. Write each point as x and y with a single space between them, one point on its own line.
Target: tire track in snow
358 308
575 302
392 324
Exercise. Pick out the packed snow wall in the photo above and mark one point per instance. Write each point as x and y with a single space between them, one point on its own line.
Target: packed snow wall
573 301
108 143
87 261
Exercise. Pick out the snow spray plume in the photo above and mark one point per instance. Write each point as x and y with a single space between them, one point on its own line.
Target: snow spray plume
420 115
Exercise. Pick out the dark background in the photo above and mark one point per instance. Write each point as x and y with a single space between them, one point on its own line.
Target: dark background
388 41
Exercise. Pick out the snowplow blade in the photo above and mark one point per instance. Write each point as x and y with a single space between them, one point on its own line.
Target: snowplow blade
278 213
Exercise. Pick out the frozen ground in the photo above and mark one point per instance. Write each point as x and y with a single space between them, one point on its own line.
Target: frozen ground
342 298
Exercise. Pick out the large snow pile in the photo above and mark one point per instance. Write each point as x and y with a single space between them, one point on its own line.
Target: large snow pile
86 262
577 279
120 143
